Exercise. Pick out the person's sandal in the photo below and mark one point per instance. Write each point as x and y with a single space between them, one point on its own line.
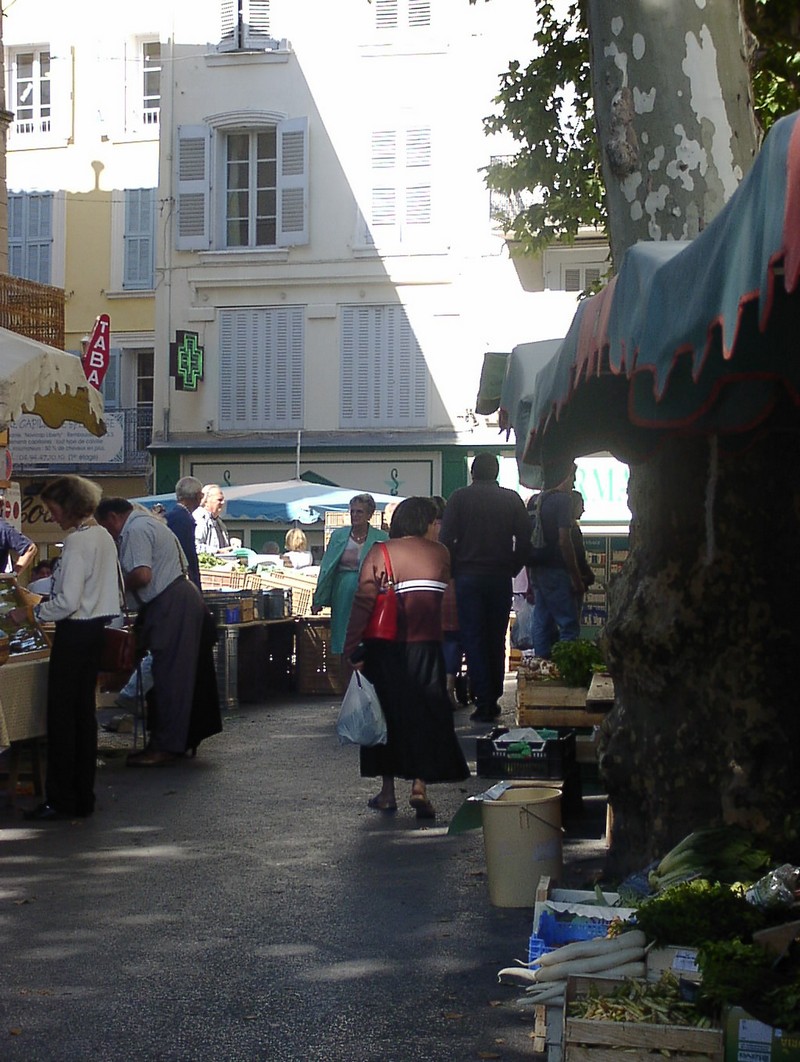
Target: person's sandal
377 804
422 806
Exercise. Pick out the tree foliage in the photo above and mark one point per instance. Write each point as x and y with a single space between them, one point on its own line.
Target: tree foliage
547 107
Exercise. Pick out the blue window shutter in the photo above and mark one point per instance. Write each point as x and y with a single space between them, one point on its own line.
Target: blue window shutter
139 239
30 235
111 382
193 231
292 182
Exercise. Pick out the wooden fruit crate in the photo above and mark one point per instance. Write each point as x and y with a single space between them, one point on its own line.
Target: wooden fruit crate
317 669
602 1041
302 587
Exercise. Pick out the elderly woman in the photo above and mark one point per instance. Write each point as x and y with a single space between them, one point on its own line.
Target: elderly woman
85 596
408 672
341 563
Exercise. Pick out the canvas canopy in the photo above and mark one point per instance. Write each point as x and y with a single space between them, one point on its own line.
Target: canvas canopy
693 338
285 502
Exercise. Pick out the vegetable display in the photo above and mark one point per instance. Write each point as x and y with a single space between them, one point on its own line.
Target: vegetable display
735 972
694 912
576 661
723 853
651 1002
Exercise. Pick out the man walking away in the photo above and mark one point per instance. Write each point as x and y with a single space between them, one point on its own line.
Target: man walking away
557 580
188 492
486 528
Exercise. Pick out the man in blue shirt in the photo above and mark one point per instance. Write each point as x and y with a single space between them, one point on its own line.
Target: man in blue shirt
13 541
181 523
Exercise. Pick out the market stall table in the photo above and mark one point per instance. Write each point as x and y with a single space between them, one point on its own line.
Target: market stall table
23 713
253 659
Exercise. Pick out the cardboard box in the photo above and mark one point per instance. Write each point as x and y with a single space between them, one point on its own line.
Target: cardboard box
750 1040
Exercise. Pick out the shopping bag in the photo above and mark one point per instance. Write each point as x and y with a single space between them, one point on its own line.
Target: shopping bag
522 627
361 720
119 649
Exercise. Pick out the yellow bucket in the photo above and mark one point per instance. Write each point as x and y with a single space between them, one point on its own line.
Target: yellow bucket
522 840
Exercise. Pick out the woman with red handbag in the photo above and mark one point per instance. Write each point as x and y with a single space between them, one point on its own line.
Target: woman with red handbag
85 597
395 635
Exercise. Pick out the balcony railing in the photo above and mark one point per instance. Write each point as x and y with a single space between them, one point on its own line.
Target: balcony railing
33 310
37 449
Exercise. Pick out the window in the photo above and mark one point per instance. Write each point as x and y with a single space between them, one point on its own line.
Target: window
402 14
576 267
145 378
30 91
401 207
151 82
30 235
262 174
244 25
261 368
139 239
577 279
384 375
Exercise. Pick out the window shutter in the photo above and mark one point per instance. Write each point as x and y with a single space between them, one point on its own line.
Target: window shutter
139 239
572 280
255 29
261 368
293 182
193 231
111 382
419 13
383 371
30 235
385 14
418 179
592 276
229 26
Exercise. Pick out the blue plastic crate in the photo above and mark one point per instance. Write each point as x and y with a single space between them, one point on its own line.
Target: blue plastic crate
536 948
555 931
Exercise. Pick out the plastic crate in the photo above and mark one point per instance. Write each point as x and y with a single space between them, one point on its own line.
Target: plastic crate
552 758
536 948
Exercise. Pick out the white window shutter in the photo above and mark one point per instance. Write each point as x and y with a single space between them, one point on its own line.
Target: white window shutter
293 227
192 183
419 13
261 368
255 24
139 239
384 378
229 26
386 14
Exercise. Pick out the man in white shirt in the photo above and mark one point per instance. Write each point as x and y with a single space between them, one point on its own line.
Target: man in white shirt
211 535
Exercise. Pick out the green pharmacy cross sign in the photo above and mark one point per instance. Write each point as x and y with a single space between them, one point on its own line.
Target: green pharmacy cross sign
186 361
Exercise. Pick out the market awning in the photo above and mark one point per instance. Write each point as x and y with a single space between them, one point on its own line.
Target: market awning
284 502
693 338
38 379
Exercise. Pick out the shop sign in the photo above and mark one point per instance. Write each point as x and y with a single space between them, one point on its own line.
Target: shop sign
12 506
186 361
97 356
37 445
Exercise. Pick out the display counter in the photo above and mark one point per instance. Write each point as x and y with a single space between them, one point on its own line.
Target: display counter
254 660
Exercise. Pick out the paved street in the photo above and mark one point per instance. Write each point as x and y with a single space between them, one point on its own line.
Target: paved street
247 905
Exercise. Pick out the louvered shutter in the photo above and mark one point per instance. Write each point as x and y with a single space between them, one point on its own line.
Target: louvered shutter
192 182
110 388
255 24
418 177
30 235
292 182
383 371
229 26
139 239
419 13
261 368
385 14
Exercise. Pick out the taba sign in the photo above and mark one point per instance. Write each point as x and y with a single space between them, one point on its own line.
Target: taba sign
186 361
97 353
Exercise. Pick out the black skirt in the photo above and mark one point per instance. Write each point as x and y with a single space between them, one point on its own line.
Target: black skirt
409 678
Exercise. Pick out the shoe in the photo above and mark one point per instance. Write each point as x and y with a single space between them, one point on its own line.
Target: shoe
45 813
381 805
150 758
481 715
422 806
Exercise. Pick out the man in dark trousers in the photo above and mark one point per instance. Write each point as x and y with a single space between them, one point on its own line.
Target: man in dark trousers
188 492
558 582
486 528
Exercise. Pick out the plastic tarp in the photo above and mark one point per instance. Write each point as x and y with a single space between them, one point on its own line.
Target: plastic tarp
36 378
285 502
693 338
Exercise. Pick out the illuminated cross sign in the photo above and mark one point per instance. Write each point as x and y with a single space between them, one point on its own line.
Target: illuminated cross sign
186 361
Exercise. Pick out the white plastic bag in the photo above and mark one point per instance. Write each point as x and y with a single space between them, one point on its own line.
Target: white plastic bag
361 720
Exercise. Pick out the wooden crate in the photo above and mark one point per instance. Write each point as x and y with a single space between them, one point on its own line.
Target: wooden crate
603 1041
302 587
317 669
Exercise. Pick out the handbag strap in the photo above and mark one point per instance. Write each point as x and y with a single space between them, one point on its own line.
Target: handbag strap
387 563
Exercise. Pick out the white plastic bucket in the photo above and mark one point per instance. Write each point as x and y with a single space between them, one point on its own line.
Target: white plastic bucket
522 839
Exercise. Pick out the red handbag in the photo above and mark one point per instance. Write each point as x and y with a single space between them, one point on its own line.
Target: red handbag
383 621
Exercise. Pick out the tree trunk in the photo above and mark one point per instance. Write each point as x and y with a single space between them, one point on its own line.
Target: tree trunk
701 641
674 114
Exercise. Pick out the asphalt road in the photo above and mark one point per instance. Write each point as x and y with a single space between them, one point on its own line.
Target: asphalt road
247 905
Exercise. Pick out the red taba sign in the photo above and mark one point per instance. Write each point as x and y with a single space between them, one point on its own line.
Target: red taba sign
97 354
